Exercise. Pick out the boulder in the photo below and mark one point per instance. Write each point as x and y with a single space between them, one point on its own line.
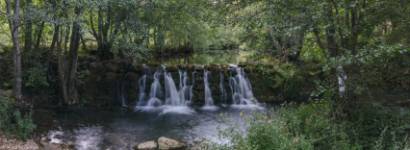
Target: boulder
148 145
165 143
55 142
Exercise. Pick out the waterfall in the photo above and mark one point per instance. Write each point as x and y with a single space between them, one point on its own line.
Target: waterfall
222 90
184 88
341 78
155 92
172 96
209 101
241 88
141 87
191 87
122 94
177 97
173 101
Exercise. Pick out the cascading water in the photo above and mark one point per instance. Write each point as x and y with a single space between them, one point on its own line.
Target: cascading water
155 92
171 93
222 90
241 88
209 101
341 78
190 89
122 94
177 98
173 101
141 87
185 90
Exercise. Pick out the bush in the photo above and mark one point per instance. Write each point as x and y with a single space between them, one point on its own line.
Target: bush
385 125
13 122
310 126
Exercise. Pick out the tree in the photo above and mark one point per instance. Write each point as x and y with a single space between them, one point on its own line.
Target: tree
14 23
68 62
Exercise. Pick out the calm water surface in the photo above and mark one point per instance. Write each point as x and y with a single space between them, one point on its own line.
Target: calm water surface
122 129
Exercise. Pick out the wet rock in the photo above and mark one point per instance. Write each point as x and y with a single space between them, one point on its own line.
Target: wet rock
54 141
165 143
148 145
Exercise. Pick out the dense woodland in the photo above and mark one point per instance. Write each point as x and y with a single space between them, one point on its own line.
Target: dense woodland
46 47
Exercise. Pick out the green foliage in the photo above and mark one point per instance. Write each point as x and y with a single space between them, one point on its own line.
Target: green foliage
24 125
13 122
380 127
5 109
310 126
36 78
311 52
286 79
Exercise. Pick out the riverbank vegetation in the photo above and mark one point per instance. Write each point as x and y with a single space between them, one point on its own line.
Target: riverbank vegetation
13 122
312 126
345 64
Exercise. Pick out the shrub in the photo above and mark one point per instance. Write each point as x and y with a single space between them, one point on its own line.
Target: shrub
13 122
311 126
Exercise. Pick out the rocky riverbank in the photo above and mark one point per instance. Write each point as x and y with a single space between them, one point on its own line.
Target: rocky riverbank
45 143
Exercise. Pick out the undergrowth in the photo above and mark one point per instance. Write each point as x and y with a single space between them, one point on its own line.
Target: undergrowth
13 122
311 126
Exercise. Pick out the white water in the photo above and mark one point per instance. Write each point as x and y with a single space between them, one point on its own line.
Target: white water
56 137
191 87
88 138
222 90
155 93
122 96
241 89
209 101
341 78
141 87
173 101
177 99
185 90
172 96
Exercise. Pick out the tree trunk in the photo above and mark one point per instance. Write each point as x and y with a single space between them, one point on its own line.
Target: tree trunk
39 34
72 75
28 33
61 66
14 24
68 68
